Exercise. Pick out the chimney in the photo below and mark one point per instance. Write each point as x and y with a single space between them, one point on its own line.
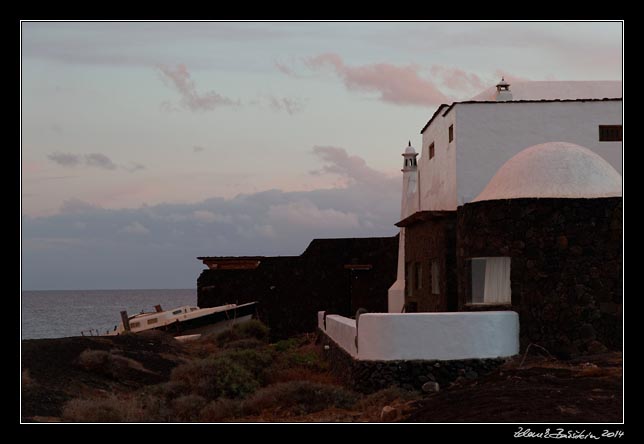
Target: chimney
503 93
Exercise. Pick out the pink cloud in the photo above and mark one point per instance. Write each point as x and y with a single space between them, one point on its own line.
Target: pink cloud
291 106
509 77
401 85
352 168
180 79
457 79
285 69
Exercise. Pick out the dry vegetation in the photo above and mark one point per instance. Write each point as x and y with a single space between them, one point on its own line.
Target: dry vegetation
239 376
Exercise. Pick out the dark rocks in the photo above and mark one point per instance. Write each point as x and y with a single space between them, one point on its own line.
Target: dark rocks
431 387
389 414
471 375
566 266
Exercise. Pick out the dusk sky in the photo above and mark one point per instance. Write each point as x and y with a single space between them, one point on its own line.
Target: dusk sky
147 144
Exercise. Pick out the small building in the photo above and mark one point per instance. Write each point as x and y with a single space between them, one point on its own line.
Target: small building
515 204
337 275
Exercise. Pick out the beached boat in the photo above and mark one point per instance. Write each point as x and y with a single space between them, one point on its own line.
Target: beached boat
185 320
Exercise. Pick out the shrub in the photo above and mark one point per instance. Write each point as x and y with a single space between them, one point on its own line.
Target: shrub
222 408
188 408
103 410
288 344
215 377
255 361
246 330
244 344
299 397
108 363
377 400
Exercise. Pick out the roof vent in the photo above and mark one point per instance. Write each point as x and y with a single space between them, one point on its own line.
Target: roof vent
503 93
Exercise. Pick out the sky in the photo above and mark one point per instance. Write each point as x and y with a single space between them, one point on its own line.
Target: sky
147 144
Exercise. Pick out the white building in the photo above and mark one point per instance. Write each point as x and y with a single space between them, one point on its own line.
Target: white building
465 143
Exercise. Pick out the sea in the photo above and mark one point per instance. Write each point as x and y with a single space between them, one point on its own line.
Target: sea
62 313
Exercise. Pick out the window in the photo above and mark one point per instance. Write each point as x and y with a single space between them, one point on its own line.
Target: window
135 324
435 278
451 133
610 133
152 321
176 312
408 279
431 150
418 275
490 280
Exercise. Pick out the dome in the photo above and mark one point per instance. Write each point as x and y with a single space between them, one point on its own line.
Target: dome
410 149
554 169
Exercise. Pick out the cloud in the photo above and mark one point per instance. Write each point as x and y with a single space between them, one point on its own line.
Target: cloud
75 205
400 85
179 78
115 247
458 80
96 160
306 214
134 166
135 228
65 159
99 160
510 78
291 106
352 168
285 69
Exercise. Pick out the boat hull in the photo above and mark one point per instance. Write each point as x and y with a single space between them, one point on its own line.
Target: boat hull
211 323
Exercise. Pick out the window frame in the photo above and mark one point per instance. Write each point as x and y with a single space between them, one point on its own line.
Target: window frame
432 150
450 136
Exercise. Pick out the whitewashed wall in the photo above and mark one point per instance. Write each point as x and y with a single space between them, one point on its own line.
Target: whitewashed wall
428 336
343 332
487 135
436 176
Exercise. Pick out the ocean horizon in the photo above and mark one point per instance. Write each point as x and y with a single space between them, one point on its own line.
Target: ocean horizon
63 313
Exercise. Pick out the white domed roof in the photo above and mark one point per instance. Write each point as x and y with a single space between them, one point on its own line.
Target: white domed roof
410 149
554 169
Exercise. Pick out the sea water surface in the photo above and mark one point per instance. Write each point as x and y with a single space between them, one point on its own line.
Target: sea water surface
61 313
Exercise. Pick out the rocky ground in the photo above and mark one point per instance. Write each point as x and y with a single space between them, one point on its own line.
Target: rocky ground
242 377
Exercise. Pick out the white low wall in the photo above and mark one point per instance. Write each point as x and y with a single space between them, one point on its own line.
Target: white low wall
427 336
343 332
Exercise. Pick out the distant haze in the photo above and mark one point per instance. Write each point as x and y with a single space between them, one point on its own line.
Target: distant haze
145 145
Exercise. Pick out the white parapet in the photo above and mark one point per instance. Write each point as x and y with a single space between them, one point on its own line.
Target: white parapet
445 336
343 332
426 336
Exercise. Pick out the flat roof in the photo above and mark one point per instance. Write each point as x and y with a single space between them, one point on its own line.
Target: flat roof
423 216
468 102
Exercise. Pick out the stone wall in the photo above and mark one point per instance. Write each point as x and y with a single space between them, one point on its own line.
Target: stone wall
426 241
371 376
291 290
566 269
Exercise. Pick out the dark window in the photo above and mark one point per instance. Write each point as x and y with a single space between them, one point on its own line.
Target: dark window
418 275
431 150
435 278
610 133
408 283
490 281
451 133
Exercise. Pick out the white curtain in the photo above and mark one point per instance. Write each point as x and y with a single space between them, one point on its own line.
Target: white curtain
497 280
